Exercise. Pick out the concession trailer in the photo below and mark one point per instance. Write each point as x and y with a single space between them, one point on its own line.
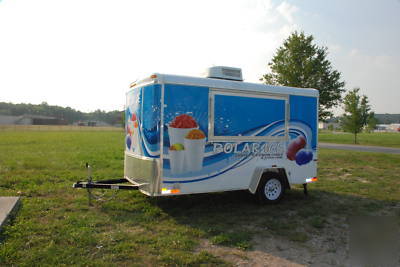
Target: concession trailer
187 135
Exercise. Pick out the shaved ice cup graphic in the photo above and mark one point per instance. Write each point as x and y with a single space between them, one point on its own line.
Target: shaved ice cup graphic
194 154
177 161
179 127
177 135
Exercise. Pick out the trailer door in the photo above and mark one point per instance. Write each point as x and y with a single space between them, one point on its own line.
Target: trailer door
142 136
142 121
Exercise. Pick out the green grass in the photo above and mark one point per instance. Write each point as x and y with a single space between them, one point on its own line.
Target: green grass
55 225
371 139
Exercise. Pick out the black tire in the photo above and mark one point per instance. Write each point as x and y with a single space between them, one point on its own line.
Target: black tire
271 188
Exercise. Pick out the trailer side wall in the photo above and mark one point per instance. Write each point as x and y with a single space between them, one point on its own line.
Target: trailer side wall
245 132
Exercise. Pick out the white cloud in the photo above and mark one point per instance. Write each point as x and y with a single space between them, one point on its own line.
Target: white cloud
287 10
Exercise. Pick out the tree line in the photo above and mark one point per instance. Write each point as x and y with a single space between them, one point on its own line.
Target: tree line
68 114
388 118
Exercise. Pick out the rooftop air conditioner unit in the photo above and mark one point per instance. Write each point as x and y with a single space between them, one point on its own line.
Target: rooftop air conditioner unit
226 73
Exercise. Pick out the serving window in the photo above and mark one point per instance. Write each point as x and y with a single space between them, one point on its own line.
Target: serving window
246 116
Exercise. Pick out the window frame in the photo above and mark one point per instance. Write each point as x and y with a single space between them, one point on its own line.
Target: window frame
251 94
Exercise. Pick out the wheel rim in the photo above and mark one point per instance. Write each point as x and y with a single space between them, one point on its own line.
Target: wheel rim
272 189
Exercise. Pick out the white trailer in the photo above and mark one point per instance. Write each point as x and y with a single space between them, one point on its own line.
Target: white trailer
187 135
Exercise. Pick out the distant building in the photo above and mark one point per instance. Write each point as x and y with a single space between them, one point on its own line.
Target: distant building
381 127
326 125
31 120
9 120
393 127
93 123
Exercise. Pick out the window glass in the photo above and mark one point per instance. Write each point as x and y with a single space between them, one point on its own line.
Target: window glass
237 115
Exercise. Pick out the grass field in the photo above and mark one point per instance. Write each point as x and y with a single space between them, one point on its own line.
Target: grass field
57 128
371 139
55 225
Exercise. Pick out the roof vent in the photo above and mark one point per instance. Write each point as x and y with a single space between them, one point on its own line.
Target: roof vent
226 73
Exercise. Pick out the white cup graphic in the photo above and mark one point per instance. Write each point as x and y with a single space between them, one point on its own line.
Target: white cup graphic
194 154
177 161
177 135
135 146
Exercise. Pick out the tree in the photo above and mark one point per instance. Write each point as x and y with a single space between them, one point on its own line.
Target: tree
301 63
356 114
371 122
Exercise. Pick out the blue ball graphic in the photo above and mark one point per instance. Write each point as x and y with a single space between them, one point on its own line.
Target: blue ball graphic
304 156
128 142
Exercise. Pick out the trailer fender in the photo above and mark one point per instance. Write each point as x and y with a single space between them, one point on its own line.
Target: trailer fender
258 173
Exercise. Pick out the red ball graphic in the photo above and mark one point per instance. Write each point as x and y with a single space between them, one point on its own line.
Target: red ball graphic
295 146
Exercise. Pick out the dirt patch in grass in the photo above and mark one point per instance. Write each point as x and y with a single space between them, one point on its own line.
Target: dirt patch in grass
322 249
246 258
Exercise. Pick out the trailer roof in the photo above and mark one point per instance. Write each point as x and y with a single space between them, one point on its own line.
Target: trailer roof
227 84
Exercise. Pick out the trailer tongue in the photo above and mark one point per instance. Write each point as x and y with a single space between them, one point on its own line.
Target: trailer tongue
116 184
107 184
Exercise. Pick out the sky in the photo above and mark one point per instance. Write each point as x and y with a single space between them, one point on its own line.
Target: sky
84 54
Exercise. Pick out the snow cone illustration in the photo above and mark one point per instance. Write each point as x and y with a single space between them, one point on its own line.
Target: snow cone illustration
195 141
179 128
296 151
177 158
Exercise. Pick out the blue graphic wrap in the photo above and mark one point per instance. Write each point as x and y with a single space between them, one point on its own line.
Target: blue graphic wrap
142 121
151 117
234 116
303 118
198 158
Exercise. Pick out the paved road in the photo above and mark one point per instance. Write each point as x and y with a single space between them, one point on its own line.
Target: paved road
379 149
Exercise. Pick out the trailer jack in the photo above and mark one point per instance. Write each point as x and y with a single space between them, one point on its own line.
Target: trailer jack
305 189
116 184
